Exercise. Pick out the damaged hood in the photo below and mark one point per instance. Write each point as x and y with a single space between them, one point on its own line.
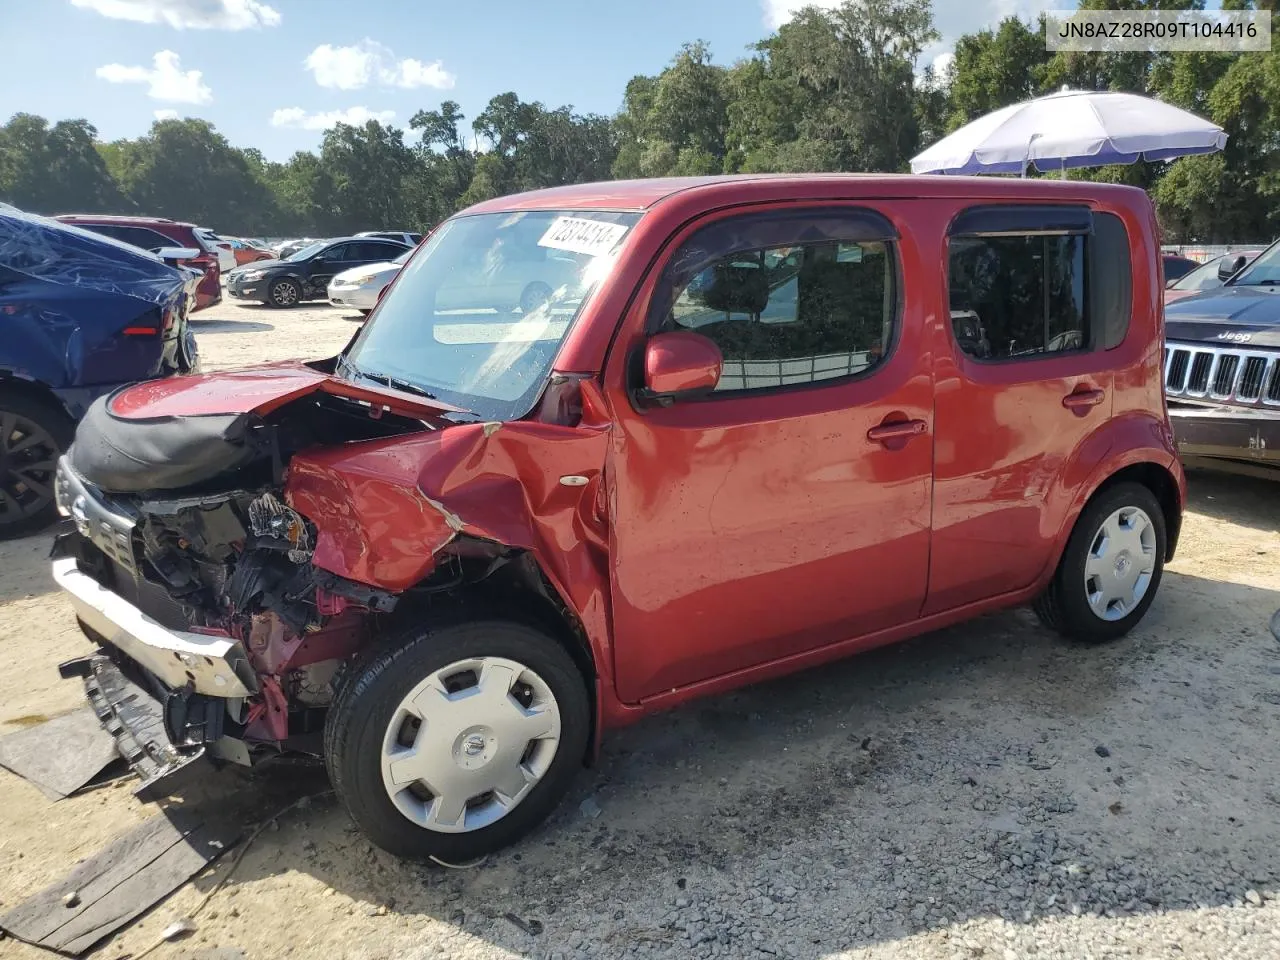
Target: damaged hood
260 390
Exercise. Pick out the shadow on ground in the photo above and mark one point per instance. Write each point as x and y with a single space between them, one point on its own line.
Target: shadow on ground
24 568
1248 501
201 327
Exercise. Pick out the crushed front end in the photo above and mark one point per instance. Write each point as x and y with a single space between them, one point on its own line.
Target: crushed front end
216 633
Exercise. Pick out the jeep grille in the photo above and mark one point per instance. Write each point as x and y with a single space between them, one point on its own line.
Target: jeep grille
1222 374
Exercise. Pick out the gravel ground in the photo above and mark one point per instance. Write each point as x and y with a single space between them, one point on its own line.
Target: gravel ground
987 791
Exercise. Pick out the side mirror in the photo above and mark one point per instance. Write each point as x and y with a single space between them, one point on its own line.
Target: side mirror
680 364
1228 267
176 253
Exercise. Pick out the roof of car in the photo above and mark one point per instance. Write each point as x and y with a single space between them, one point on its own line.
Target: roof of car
117 218
643 194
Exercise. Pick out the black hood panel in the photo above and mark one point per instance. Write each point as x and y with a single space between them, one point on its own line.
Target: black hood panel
1228 316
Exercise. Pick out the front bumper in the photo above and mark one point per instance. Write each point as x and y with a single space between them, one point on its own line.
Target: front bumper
247 290
358 298
210 665
1240 435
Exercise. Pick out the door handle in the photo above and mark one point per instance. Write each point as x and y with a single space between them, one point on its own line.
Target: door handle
899 430
1081 400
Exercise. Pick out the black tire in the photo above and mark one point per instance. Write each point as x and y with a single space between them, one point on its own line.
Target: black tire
1064 605
534 296
284 293
370 694
23 508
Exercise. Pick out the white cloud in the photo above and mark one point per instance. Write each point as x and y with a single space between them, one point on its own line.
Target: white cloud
166 80
778 12
942 63
299 119
166 114
188 14
366 62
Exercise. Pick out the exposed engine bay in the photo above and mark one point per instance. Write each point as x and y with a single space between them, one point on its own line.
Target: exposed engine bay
187 519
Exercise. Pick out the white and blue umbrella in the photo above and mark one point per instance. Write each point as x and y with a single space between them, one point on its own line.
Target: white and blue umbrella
1071 128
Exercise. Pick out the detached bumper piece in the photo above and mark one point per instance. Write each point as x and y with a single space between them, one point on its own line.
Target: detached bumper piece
136 721
212 665
1241 440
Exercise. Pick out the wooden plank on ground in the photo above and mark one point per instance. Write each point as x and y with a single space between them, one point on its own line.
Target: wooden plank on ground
127 878
60 755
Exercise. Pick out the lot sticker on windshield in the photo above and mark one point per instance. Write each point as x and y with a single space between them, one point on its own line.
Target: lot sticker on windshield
593 237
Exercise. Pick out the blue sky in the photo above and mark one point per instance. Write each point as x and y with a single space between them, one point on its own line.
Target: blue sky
274 73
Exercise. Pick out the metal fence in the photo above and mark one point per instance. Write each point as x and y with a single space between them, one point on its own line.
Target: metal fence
1207 251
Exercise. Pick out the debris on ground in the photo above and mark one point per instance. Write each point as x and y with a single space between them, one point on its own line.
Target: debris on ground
121 882
59 756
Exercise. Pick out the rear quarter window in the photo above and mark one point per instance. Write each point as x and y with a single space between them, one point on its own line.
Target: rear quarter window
1031 281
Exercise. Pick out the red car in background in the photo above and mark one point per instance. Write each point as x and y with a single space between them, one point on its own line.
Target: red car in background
247 251
152 233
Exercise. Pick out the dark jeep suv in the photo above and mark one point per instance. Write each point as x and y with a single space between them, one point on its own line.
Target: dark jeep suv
1222 370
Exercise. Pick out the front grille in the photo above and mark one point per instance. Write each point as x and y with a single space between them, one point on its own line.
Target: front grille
1235 376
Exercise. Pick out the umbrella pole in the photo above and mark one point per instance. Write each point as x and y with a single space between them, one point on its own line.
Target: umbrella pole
1026 159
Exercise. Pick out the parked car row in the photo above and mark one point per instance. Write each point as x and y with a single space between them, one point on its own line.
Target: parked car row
306 273
160 233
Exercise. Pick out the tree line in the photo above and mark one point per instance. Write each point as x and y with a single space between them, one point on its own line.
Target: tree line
832 90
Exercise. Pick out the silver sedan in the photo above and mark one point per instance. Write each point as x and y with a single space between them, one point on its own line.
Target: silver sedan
360 287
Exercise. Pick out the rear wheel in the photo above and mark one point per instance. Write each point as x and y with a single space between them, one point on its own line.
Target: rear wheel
459 740
284 293
1111 569
33 434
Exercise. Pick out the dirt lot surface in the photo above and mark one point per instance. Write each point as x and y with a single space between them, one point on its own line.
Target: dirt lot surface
988 791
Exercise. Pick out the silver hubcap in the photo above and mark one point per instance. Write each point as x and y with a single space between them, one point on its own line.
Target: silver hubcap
285 293
1121 562
468 743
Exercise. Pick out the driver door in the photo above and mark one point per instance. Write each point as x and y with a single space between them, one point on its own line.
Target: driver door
773 516
328 264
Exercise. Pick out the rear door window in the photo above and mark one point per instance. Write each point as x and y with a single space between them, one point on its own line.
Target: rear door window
369 251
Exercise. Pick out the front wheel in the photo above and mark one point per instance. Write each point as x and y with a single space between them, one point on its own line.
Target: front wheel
284 293
458 740
1111 569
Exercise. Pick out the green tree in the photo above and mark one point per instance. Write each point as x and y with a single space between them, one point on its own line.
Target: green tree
186 170
55 169
995 68
367 167
675 123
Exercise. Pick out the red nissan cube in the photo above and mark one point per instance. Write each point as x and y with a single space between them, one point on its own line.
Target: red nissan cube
746 426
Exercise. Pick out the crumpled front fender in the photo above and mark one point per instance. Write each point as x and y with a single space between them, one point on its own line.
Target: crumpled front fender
384 509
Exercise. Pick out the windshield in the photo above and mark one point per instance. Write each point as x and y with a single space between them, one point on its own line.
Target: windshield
309 250
1265 271
1203 277
477 317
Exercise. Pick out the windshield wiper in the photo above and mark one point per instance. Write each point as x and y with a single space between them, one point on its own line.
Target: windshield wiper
396 383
